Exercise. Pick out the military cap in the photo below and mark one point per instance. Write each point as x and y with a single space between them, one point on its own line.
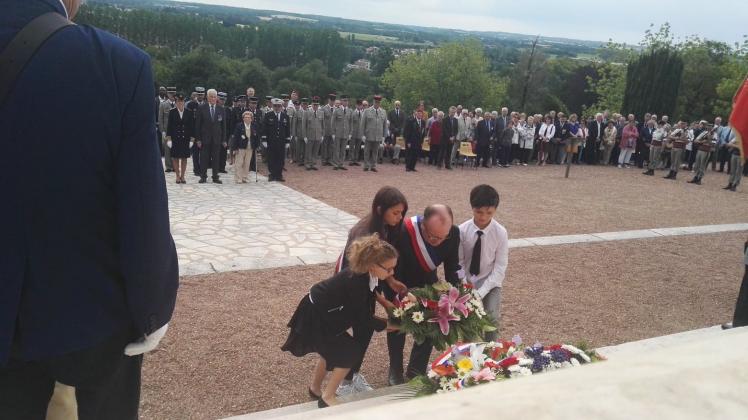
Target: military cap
359 101
253 99
277 101
223 95
315 100
284 96
171 89
343 96
377 97
179 96
200 90
332 96
268 98
241 98
161 89
296 102
304 100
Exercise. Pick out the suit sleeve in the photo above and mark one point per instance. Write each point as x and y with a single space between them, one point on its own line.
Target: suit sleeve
198 124
147 255
452 259
170 126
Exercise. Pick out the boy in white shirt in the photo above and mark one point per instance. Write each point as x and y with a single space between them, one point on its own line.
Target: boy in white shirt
484 251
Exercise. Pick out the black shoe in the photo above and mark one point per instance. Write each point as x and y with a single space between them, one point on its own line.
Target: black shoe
728 187
169 170
327 164
222 171
281 179
308 169
366 169
694 181
669 175
408 170
202 180
342 168
374 170
395 377
335 168
314 168
733 188
312 395
413 170
321 403
217 181
448 167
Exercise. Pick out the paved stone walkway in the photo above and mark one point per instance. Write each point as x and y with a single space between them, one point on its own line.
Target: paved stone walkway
232 227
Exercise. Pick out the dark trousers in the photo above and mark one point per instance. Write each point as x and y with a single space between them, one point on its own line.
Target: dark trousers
222 158
253 161
209 159
515 153
740 318
195 159
505 153
363 337
434 153
107 383
723 155
642 155
411 157
483 152
443 157
419 355
525 155
276 155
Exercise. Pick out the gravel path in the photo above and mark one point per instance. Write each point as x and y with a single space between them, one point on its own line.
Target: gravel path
538 201
221 356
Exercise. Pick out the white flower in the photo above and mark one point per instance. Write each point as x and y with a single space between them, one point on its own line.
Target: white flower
525 372
432 374
409 305
417 317
576 351
397 313
525 362
575 362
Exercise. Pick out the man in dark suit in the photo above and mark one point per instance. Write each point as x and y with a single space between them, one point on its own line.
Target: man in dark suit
396 118
276 133
484 133
210 126
197 99
414 132
500 123
87 262
595 133
449 137
425 243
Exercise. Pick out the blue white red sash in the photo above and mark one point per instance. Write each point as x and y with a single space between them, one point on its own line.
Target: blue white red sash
425 254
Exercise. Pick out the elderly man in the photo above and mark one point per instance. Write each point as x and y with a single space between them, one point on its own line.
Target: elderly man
89 264
595 134
463 133
210 134
396 119
427 242
374 125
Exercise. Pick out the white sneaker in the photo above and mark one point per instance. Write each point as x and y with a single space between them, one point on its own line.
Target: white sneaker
360 384
346 388
620 166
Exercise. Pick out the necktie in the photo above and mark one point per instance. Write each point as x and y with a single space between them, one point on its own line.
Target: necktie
212 113
475 261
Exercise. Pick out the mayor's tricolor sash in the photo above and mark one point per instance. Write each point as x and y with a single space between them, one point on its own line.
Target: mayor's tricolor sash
425 254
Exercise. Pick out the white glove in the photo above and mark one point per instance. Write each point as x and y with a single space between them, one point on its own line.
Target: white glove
333 137
350 137
147 343
265 144
306 140
363 138
382 140
288 145
163 134
168 144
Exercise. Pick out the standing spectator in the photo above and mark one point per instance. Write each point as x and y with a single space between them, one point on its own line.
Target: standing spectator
581 136
374 126
209 132
527 141
724 136
545 135
514 156
628 143
609 141
484 133
244 142
449 135
572 148
504 142
414 132
593 151
88 262
396 119
463 134
563 134
435 138
179 135
644 143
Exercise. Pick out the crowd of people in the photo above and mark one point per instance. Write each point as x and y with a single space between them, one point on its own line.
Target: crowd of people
387 254
345 132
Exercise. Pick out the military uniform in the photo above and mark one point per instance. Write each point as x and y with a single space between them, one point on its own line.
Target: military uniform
655 150
340 130
374 126
678 139
297 132
163 123
276 133
736 165
314 131
356 133
703 142
327 145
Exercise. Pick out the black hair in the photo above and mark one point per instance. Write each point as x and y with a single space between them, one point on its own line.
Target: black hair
386 198
434 209
484 195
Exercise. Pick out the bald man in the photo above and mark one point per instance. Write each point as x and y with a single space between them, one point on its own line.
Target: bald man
425 243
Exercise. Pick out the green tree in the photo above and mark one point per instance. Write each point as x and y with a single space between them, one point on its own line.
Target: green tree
653 82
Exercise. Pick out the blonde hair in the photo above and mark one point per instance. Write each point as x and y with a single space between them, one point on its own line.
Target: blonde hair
367 251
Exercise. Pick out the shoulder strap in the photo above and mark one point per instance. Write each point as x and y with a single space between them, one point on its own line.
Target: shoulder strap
24 45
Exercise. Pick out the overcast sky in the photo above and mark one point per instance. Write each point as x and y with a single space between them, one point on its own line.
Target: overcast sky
626 21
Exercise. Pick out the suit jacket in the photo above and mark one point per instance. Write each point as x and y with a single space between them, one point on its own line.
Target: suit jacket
410 272
484 132
163 115
449 129
88 254
397 122
501 122
180 128
356 123
210 131
276 131
345 301
593 133
239 139
414 132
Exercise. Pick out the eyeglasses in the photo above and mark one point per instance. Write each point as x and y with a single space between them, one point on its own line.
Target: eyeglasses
432 237
387 270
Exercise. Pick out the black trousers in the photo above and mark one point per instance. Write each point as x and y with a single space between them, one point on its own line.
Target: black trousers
195 151
724 155
209 159
411 157
222 158
419 355
483 152
276 156
363 337
740 318
107 383
505 153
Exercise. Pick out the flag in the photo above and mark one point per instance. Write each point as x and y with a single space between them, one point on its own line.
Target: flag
739 117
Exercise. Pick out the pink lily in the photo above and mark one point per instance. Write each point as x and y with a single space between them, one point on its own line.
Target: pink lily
453 301
443 317
484 375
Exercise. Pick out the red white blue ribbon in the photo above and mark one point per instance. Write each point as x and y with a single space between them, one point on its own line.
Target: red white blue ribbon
420 248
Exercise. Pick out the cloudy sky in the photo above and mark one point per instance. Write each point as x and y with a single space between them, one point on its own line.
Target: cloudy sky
723 20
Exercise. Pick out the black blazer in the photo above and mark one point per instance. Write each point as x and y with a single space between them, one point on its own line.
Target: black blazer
239 138
449 128
397 122
210 131
592 133
413 132
410 272
483 134
344 301
181 128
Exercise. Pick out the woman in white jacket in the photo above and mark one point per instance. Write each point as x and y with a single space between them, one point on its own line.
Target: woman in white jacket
546 133
526 140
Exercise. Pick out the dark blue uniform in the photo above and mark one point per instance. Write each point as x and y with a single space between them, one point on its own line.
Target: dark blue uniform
276 132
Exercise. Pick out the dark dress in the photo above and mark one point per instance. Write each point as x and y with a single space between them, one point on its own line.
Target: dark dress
180 130
323 317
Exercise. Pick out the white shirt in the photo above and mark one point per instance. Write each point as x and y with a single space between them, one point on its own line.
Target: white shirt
494 256
373 282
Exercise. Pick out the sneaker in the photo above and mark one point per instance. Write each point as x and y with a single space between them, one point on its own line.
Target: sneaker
619 166
345 388
360 384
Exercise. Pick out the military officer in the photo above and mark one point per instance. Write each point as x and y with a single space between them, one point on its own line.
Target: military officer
356 132
194 149
291 112
314 131
340 129
227 129
327 146
678 138
374 126
163 123
655 150
704 142
297 130
276 133
268 105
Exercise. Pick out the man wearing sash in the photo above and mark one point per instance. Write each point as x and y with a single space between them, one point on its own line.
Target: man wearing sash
678 139
424 244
